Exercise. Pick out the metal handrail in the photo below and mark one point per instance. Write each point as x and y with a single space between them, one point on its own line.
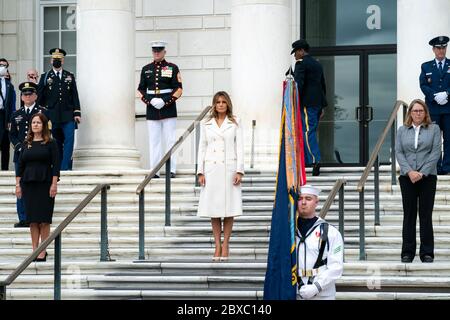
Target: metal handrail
165 160
374 162
56 235
338 187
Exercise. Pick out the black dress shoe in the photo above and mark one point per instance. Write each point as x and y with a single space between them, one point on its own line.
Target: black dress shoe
427 258
21 224
407 259
155 176
316 169
42 259
172 175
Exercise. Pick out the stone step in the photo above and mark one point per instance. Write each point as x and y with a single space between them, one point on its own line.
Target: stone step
89 240
129 207
204 253
264 218
77 229
379 284
84 294
92 294
207 267
263 198
246 282
74 231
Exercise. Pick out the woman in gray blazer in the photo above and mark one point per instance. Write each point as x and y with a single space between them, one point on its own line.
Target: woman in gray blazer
418 149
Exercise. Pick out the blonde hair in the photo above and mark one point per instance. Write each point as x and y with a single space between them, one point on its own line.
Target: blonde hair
426 120
227 99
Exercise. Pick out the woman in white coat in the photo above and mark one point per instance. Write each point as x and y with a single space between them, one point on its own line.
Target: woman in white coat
220 171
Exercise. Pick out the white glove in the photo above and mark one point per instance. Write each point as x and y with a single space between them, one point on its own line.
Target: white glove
308 291
158 103
441 97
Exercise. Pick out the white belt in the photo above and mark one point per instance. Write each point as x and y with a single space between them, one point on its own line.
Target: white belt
159 91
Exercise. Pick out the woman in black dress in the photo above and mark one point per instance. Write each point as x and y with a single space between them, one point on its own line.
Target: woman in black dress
38 175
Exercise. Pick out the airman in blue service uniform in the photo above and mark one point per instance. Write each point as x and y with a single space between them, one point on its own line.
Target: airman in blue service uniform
19 129
160 86
308 75
435 84
57 91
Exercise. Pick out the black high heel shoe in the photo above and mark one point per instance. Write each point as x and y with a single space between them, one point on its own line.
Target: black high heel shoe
42 259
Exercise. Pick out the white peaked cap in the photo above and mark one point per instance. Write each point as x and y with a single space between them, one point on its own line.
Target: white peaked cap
308 189
159 44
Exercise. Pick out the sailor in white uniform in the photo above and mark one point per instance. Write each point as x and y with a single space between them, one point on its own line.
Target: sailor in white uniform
320 250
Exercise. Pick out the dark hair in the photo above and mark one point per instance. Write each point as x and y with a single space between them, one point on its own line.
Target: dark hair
227 98
4 60
426 121
45 130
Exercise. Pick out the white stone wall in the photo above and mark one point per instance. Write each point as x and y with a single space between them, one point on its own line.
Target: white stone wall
17 36
198 33
199 36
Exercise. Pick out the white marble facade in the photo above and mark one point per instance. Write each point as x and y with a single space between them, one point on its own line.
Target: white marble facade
199 36
201 42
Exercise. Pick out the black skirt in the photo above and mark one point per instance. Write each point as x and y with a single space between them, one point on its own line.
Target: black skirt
38 204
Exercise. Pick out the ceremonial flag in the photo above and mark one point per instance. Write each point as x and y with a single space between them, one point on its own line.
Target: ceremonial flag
281 274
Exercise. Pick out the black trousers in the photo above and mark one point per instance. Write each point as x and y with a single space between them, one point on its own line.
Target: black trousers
423 192
4 148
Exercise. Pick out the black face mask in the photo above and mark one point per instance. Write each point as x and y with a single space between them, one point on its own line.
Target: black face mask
57 63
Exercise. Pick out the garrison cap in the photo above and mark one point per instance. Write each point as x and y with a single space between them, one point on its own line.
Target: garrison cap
300 44
309 189
440 42
25 87
57 53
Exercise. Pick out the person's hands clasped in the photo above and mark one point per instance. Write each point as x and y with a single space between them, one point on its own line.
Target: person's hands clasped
53 190
415 176
158 103
441 97
237 178
201 180
18 191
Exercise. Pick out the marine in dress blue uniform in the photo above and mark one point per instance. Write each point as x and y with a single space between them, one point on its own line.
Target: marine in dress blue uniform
308 75
19 129
57 92
160 86
435 84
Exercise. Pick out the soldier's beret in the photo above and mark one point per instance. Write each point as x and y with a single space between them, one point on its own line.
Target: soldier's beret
300 44
440 42
57 53
28 87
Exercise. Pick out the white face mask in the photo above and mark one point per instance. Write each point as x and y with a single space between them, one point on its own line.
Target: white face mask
3 71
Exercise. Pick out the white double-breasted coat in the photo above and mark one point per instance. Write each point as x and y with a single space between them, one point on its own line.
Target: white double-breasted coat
220 157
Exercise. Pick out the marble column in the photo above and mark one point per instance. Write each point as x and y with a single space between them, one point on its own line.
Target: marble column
417 23
105 68
260 56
